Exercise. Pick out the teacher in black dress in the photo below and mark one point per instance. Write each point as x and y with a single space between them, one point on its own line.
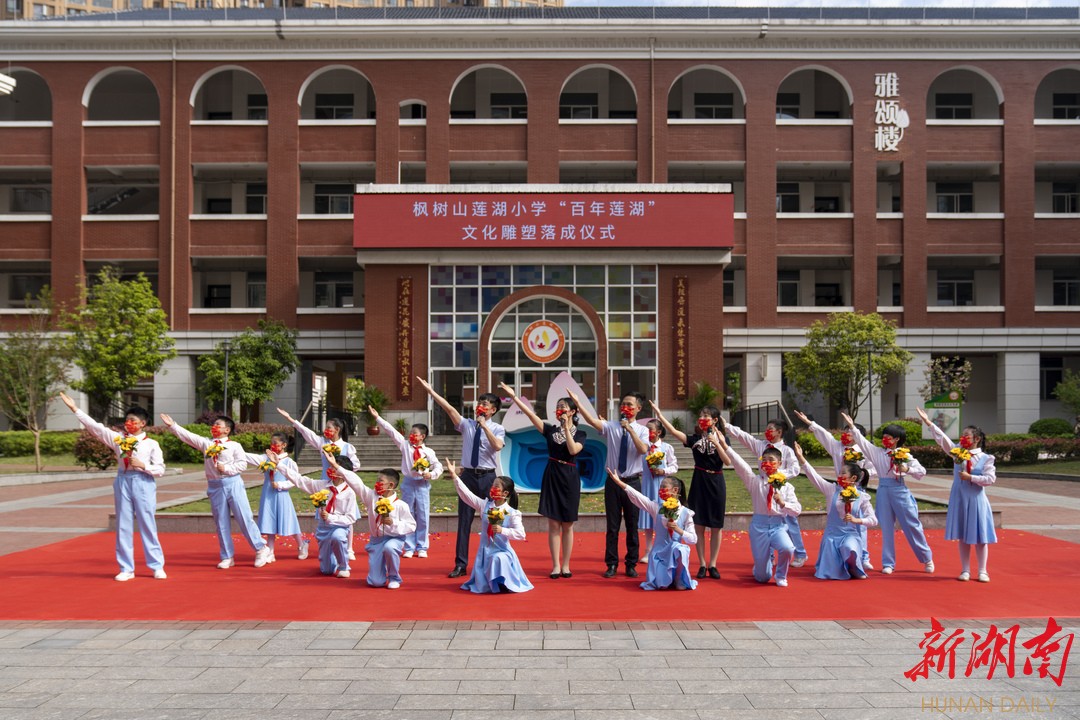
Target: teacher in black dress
560 489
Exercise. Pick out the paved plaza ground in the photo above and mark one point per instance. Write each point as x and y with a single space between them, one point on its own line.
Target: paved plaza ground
491 667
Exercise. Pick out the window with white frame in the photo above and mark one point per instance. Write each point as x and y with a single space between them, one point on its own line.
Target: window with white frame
333 199
1066 106
31 200
714 106
255 198
505 106
787 287
955 288
21 286
787 197
1066 287
953 106
334 106
1064 197
256 106
256 290
334 290
787 105
1051 372
579 106
955 197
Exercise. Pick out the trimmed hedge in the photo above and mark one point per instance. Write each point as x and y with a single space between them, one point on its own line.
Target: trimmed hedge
14 443
913 428
255 437
1051 427
91 452
812 449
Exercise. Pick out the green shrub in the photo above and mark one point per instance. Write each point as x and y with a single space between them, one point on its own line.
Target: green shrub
14 443
1051 427
1008 437
1015 452
812 449
913 428
176 450
931 456
91 452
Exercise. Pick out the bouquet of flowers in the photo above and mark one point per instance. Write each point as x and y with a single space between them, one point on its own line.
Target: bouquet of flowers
421 464
383 507
331 448
655 459
776 481
848 493
669 508
900 456
214 450
495 517
320 498
961 455
852 455
267 466
127 446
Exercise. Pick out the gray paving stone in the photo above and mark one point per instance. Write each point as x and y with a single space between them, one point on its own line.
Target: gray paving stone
405 687
207 701
203 684
591 687
514 687
494 675
379 714
419 661
516 639
63 685
475 640
21 673
220 660
24 699
691 701
612 701
726 660
428 639
455 702
566 639
735 686
658 640
287 714
43 714
850 699
124 701
341 643
784 631
158 714
337 702
843 686
646 675
703 639
641 660
270 684
517 661
612 639
382 640
621 715
501 715
553 674
803 672
768 714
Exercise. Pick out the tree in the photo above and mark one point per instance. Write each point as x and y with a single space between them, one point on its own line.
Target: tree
1068 392
835 357
946 374
32 370
118 336
260 361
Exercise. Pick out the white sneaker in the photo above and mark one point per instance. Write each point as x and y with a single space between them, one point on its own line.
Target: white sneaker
964 576
159 574
798 562
421 553
352 554
886 570
226 563
303 551
124 576
263 555
781 583
929 567
868 565
271 558
407 553
393 585
343 573
983 577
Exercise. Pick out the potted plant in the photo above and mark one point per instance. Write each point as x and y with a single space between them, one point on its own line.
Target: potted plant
372 396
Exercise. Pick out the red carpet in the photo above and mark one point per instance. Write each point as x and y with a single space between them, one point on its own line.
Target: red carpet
1033 576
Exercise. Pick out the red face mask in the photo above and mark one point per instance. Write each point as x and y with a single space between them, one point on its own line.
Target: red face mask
966 442
847 439
704 424
627 411
668 492
653 436
333 474
769 466
496 495
772 434
329 433
415 439
888 441
844 482
132 427
217 431
560 413
481 412
276 448
383 487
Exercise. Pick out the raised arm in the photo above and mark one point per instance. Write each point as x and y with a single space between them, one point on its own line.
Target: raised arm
305 432
587 416
398 438
940 437
292 473
677 434
748 440
826 488
832 446
523 406
196 441
450 410
643 502
466 495
102 432
744 471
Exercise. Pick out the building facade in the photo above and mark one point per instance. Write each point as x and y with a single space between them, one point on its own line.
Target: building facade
913 162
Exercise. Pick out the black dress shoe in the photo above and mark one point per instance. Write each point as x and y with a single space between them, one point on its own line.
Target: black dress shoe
714 573
631 571
702 572
610 572
568 574
555 576
458 571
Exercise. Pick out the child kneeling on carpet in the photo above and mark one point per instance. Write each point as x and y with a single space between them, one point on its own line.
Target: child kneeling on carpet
773 499
496 567
389 521
669 556
335 519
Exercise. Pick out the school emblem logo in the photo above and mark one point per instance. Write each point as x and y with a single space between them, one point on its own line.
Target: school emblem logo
543 341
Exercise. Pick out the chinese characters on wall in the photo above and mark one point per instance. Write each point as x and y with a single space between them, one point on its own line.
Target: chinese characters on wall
404 337
890 119
682 338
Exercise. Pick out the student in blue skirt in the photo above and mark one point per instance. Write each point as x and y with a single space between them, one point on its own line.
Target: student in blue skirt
669 558
496 568
970 519
849 513
277 514
895 503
